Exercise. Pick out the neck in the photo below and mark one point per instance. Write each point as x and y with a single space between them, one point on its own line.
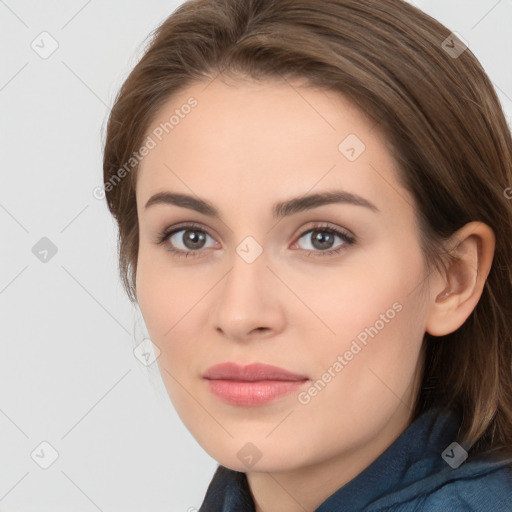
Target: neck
305 488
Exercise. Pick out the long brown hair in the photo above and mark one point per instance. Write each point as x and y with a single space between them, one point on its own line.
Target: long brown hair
436 107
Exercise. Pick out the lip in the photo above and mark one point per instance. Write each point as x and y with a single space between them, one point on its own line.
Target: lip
251 372
253 384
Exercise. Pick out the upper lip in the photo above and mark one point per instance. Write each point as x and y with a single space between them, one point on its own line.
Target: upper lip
252 372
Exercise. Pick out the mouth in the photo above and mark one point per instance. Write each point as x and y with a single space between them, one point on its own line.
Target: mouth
251 385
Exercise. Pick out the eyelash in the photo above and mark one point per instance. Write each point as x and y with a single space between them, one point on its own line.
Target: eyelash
325 228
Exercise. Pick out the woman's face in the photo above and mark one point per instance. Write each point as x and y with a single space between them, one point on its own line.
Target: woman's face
346 311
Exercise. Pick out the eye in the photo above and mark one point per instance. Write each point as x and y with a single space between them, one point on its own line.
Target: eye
190 237
321 238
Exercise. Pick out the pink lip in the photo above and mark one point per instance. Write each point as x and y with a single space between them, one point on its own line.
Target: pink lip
254 384
252 372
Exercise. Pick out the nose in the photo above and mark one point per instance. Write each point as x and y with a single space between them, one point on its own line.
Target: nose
249 301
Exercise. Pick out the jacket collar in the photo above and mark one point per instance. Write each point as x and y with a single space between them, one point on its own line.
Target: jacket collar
410 465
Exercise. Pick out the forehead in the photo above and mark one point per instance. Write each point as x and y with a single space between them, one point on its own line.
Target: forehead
263 141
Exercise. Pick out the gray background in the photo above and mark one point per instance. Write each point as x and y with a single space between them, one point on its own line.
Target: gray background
68 375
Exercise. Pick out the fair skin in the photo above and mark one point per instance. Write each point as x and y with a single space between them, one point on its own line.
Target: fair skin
243 148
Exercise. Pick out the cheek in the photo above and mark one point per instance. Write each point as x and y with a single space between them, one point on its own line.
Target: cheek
374 377
164 293
378 287
170 299
379 320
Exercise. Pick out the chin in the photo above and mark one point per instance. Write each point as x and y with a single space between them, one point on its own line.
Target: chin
247 456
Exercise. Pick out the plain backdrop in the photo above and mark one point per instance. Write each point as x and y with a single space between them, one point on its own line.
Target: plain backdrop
84 425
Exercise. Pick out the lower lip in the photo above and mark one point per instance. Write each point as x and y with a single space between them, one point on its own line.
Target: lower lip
252 393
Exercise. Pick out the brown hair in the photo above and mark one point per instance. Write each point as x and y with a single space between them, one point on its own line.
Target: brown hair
437 109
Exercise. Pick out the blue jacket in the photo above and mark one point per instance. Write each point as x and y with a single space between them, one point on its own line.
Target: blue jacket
419 472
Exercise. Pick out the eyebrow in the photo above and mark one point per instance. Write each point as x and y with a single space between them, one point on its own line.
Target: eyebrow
279 210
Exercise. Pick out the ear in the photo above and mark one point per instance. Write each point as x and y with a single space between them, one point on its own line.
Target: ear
453 296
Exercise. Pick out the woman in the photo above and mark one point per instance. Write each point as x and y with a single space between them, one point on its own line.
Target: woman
314 213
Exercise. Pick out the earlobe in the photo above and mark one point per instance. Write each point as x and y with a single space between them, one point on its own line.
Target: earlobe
455 295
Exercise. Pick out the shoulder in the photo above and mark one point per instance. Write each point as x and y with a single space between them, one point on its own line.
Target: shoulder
476 487
489 489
